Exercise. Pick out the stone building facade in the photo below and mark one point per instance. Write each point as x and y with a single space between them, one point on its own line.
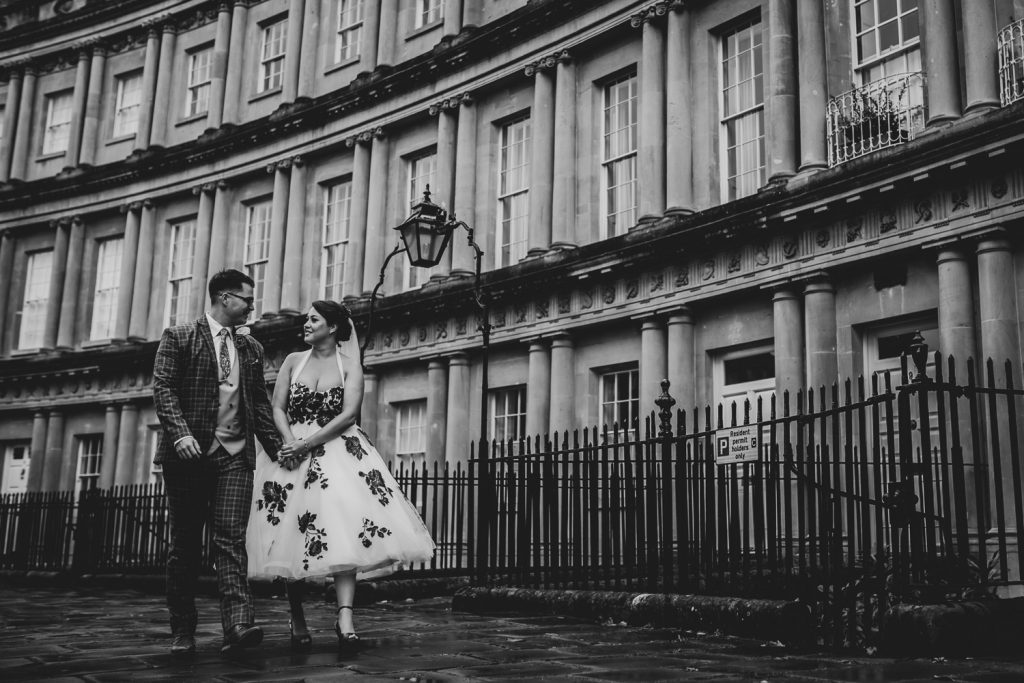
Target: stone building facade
743 196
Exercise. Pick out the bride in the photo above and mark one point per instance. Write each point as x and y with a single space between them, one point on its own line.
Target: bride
327 506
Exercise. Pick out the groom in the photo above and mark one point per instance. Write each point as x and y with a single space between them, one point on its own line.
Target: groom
211 398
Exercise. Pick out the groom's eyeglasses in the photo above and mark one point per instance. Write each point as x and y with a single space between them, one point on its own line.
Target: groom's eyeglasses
247 299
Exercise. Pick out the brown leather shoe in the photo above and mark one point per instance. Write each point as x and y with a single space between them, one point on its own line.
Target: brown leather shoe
241 636
183 645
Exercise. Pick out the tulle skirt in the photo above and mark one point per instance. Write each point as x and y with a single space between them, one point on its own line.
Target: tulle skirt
341 510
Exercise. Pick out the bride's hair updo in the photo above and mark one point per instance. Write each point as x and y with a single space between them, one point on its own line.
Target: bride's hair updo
338 315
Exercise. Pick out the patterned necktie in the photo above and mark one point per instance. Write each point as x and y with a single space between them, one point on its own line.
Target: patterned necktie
224 359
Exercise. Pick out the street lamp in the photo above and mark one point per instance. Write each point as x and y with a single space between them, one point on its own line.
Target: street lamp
424 236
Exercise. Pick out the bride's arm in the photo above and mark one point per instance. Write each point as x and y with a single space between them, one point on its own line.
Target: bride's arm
348 415
279 402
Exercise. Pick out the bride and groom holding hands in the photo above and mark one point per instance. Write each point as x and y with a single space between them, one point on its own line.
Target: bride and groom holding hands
319 500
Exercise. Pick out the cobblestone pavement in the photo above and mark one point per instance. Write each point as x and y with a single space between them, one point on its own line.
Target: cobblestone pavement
90 635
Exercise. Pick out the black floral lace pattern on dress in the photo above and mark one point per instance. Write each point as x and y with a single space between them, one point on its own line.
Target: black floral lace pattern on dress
314 535
371 531
375 480
274 500
306 406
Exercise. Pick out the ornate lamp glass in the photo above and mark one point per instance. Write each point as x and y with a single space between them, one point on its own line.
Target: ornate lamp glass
426 232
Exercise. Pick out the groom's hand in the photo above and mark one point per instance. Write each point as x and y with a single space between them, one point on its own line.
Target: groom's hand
188 448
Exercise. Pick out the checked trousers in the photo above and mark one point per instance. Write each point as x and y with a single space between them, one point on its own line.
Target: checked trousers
215 490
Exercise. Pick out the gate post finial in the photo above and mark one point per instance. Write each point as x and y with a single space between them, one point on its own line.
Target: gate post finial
919 354
664 403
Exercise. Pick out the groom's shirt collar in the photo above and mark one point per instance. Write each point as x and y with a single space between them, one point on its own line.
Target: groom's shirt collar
216 327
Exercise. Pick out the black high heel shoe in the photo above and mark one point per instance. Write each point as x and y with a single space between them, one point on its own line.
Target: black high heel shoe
349 638
302 642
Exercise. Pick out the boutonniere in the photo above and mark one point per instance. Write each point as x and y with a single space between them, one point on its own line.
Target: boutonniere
241 332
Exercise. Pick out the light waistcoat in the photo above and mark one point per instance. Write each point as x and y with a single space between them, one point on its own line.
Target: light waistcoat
229 432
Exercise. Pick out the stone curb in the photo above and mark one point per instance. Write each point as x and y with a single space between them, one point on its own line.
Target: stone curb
954 630
786 621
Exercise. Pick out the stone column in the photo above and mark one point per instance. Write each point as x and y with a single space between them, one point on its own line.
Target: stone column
538 389
110 431
542 156
563 384
781 100
377 229
127 438
93 103
980 63
957 332
370 37
353 285
291 273
54 451
939 56
162 97
371 399
457 435
72 285
10 124
820 334
563 189
6 267
71 154
813 85
143 270
997 305
437 406
219 68
236 61
463 256
129 259
789 344
23 132
680 363
220 226
148 93
452 17
651 148
278 219
293 51
678 125
37 452
443 190
309 67
653 365
56 290
386 34
201 258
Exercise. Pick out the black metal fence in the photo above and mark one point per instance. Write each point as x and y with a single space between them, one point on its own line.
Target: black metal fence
856 496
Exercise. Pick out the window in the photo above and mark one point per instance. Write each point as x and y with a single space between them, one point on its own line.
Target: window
199 70
179 272
884 346
272 56
126 104
58 123
742 128
420 171
90 458
257 248
108 280
620 398
508 413
513 192
337 211
744 374
410 432
350 28
15 468
37 296
888 36
618 156
428 12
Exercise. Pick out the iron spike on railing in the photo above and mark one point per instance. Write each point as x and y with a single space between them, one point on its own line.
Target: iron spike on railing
665 403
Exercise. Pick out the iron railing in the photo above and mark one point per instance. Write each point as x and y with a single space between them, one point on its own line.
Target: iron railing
1011 63
883 113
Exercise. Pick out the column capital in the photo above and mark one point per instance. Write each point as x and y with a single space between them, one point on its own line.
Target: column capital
147 204
353 140
466 99
563 57
447 104
437 363
458 359
995 241
225 6
536 344
950 251
543 64
130 206
784 293
680 316
206 188
297 161
820 284
77 219
649 14
677 5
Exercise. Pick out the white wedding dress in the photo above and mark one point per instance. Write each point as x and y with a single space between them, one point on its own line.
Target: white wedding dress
341 510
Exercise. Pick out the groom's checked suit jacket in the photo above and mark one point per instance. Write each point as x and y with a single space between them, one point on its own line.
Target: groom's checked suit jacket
185 380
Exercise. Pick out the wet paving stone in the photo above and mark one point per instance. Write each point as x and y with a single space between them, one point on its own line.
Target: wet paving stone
113 636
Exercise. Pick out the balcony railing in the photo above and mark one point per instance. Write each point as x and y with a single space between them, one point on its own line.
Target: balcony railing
881 114
1011 63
